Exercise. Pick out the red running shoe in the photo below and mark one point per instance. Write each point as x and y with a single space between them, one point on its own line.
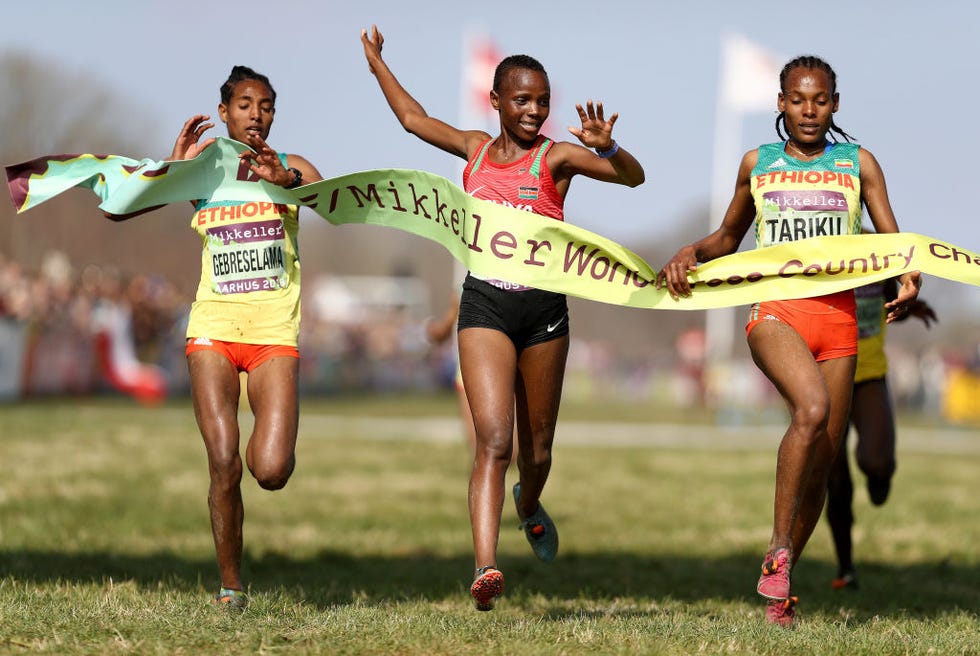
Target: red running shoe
845 581
774 582
782 612
487 586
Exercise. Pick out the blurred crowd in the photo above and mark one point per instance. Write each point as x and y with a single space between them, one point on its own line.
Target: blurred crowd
70 331
65 330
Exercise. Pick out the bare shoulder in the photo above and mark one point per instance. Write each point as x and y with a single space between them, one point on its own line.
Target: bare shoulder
310 172
749 160
870 168
867 158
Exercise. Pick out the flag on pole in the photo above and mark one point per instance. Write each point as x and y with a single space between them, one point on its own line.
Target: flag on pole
748 83
480 59
749 76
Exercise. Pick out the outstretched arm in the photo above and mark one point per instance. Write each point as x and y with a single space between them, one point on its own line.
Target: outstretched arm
409 112
723 241
610 162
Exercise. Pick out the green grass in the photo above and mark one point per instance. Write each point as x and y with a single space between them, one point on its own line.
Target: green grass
105 546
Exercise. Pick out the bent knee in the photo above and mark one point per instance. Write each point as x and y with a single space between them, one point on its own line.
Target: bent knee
273 477
876 467
812 417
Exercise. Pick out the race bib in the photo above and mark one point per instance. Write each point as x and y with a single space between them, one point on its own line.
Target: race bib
248 257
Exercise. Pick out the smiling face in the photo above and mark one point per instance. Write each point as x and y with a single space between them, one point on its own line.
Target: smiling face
808 102
524 102
250 110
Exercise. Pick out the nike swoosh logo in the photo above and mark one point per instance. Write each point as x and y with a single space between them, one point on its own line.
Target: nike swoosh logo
473 193
551 328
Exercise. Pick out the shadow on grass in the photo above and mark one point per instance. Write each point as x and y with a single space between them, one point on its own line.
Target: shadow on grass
921 590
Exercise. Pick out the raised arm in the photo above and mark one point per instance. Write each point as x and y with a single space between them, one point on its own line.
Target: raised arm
723 241
610 162
874 193
409 112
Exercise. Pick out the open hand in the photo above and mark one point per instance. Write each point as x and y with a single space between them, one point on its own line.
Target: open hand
189 144
596 131
265 163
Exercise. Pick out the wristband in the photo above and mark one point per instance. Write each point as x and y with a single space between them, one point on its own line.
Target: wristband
297 179
606 154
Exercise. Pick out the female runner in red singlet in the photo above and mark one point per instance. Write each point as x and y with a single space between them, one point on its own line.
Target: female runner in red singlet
513 340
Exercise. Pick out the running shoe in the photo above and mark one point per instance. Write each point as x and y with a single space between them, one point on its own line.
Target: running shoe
782 612
231 598
488 584
846 580
774 581
539 530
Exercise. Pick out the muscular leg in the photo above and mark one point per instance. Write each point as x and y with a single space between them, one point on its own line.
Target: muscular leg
541 371
783 356
488 361
838 375
273 395
873 418
215 389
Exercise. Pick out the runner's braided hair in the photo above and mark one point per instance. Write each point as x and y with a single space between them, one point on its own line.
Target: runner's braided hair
507 64
240 73
813 62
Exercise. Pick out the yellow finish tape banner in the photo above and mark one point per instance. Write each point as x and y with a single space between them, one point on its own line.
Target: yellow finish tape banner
493 240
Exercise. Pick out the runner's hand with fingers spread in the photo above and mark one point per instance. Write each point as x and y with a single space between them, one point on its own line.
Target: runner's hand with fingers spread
188 144
596 131
265 163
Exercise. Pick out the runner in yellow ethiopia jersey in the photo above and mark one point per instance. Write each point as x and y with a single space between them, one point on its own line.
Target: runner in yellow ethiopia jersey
807 186
245 318
250 274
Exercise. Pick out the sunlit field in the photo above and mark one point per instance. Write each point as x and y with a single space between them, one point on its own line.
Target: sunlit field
105 546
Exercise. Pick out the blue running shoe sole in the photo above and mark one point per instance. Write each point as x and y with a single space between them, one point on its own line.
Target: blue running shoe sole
539 530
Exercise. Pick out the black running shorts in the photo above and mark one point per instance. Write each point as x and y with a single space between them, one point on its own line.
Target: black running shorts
528 317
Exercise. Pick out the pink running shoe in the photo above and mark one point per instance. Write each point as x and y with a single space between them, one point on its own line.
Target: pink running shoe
774 582
782 612
487 586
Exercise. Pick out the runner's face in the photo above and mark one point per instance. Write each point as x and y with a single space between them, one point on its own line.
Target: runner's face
524 102
809 105
250 110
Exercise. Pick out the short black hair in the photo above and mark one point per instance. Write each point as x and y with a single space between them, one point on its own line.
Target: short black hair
513 62
238 74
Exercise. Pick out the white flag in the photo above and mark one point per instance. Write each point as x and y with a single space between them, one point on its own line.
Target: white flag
749 75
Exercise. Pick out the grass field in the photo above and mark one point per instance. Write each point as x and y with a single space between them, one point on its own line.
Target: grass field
105 546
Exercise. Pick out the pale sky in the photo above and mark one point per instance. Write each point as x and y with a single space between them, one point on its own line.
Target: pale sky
907 76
